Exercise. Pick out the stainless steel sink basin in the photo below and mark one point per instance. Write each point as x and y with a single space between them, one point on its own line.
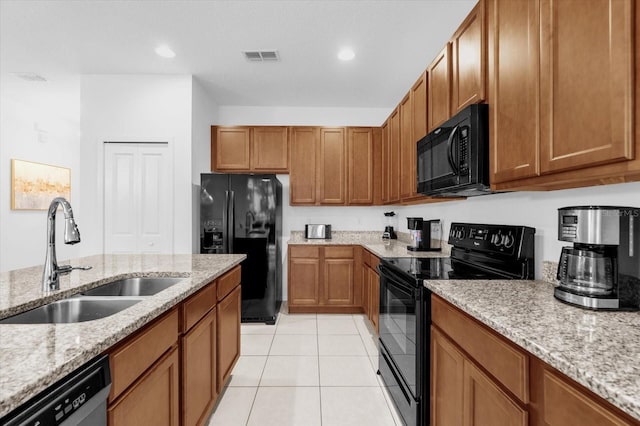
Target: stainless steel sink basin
145 286
75 309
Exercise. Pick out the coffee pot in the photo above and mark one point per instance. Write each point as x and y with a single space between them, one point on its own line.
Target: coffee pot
602 268
425 234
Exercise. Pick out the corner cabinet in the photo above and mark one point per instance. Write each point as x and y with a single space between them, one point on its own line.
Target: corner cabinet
323 279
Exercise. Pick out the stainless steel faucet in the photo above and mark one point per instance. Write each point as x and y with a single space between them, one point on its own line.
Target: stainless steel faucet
52 272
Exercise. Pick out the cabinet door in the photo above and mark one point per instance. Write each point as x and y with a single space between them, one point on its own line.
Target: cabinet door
360 165
199 371
302 166
228 336
439 90
486 404
374 297
419 108
447 384
365 290
514 89
230 149
270 149
338 281
469 60
153 399
304 281
407 146
394 157
332 166
586 83
386 172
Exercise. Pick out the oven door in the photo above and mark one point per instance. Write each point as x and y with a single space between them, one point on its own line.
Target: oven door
403 330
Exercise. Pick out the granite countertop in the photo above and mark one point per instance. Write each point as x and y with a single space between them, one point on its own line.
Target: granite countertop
600 350
33 357
372 241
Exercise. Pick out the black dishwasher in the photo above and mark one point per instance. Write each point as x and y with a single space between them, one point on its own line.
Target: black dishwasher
78 399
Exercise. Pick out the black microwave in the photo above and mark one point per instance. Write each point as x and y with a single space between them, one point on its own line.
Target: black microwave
453 160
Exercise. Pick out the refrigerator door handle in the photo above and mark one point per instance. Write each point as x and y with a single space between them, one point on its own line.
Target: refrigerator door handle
225 223
231 203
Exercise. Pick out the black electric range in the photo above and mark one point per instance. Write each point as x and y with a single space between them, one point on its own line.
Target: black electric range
479 251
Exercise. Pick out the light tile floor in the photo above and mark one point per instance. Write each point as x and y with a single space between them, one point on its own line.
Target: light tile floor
307 370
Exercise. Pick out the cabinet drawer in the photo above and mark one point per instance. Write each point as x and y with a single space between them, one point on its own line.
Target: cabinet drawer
197 306
338 252
500 358
135 356
228 282
576 408
304 251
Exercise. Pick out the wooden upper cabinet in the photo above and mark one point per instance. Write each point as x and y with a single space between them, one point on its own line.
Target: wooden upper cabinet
439 91
303 165
514 50
419 107
384 156
332 170
360 165
270 149
407 146
586 83
244 149
393 182
230 148
468 51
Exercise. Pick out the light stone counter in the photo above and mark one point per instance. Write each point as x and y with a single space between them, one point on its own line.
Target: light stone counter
34 356
373 242
600 350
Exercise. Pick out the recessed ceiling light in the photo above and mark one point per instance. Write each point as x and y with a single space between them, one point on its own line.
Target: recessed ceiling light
346 54
165 51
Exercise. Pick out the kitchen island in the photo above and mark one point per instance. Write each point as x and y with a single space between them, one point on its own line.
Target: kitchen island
599 350
34 356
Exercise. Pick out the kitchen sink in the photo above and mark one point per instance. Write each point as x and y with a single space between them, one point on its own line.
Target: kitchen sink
144 286
74 309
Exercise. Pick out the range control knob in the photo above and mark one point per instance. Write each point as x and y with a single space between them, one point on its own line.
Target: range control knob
508 240
496 240
460 233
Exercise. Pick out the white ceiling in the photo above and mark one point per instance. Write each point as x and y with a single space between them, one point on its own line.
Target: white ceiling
393 40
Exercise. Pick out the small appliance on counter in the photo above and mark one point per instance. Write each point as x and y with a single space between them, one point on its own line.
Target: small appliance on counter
390 220
318 232
425 234
602 268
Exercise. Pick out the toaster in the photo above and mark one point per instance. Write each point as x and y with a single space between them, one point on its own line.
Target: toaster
317 231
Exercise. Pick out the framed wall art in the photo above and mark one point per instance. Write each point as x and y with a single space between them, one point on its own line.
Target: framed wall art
34 185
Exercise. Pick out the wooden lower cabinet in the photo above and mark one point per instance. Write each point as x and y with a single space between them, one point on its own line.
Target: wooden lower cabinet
323 279
199 373
467 391
153 399
228 329
171 372
374 299
371 288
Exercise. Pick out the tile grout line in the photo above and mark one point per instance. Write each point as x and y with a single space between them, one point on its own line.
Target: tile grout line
319 384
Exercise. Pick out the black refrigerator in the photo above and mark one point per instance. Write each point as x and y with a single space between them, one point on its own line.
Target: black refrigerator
243 214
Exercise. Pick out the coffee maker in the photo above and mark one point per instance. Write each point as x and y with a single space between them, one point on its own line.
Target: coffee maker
602 268
425 234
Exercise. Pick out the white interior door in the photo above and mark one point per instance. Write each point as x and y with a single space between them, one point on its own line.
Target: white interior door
138 201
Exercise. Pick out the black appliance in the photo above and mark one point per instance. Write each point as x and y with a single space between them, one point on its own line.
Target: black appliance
453 160
479 252
79 399
243 214
602 268
426 235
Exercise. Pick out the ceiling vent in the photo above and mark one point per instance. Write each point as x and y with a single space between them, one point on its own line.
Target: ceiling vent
30 76
261 55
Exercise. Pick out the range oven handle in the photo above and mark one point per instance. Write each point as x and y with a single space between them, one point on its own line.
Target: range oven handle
397 280
450 145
